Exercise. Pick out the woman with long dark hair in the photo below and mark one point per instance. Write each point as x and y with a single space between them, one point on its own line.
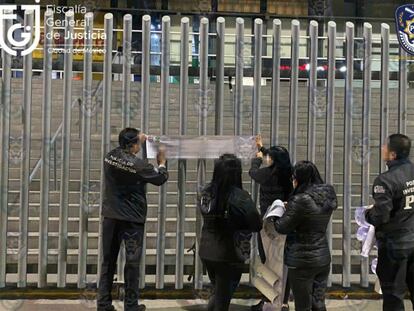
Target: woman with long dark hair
229 215
307 255
275 180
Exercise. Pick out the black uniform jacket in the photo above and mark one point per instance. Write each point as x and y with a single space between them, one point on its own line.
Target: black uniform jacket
393 214
305 222
125 180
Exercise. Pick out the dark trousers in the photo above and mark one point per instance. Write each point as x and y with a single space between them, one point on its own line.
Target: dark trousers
395 271
113 233
309 287
225 277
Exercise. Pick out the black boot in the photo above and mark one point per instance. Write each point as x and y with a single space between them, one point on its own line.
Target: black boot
138 308
259 306
210 305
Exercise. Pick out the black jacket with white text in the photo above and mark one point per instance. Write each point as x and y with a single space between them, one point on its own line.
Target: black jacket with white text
125 190
393 213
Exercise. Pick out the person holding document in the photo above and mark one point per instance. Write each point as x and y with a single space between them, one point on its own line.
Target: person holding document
124 212
307 255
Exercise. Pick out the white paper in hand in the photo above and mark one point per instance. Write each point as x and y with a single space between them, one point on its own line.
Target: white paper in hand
369 242
277 209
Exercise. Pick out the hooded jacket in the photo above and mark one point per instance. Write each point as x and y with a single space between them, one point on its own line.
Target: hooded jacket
393 211
217 236
125 191
305 222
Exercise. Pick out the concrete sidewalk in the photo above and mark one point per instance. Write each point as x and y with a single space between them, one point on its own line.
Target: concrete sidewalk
175 305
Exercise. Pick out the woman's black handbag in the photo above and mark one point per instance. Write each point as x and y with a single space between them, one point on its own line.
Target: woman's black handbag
242 245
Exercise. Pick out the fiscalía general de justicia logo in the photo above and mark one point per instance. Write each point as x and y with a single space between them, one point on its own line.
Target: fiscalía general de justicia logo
8 40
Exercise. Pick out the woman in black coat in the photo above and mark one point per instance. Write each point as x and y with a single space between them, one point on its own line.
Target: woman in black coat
275 180
307 254
226 209
275 177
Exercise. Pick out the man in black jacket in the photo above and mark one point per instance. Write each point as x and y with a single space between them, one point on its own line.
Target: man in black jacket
124 213
393 218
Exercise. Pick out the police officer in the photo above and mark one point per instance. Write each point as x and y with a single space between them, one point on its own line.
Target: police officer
393 218
124 213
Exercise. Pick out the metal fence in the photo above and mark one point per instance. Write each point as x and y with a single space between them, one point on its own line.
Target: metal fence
322 51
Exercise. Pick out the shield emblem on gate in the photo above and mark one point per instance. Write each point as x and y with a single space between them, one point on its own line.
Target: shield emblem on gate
404 19
27 34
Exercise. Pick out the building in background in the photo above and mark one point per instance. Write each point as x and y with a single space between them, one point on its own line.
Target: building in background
357 11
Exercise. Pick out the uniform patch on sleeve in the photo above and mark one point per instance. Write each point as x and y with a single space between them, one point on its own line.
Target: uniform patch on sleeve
379 189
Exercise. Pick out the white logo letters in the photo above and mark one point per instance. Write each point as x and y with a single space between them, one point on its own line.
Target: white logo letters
12 45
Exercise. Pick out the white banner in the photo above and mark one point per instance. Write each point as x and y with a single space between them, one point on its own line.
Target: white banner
270 277
202 147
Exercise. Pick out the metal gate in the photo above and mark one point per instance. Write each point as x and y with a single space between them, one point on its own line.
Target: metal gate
300 105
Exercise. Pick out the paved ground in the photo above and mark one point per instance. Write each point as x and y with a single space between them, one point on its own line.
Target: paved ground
174 305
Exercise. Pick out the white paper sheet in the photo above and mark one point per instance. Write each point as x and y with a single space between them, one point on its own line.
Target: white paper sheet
202 147
369 242
270 278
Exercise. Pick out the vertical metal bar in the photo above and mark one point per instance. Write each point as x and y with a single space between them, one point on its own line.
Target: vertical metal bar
46 145
121 263
201 164
402 92
385 76
145 96
257 79
219 75
106 115
4 173
294 84
182 164
25 165
165 75
330 110
366 131
80 119
347 177
256 113
66 133
312 98
126 81
238 102
86 152
277 30
54 164
145 101
126 109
